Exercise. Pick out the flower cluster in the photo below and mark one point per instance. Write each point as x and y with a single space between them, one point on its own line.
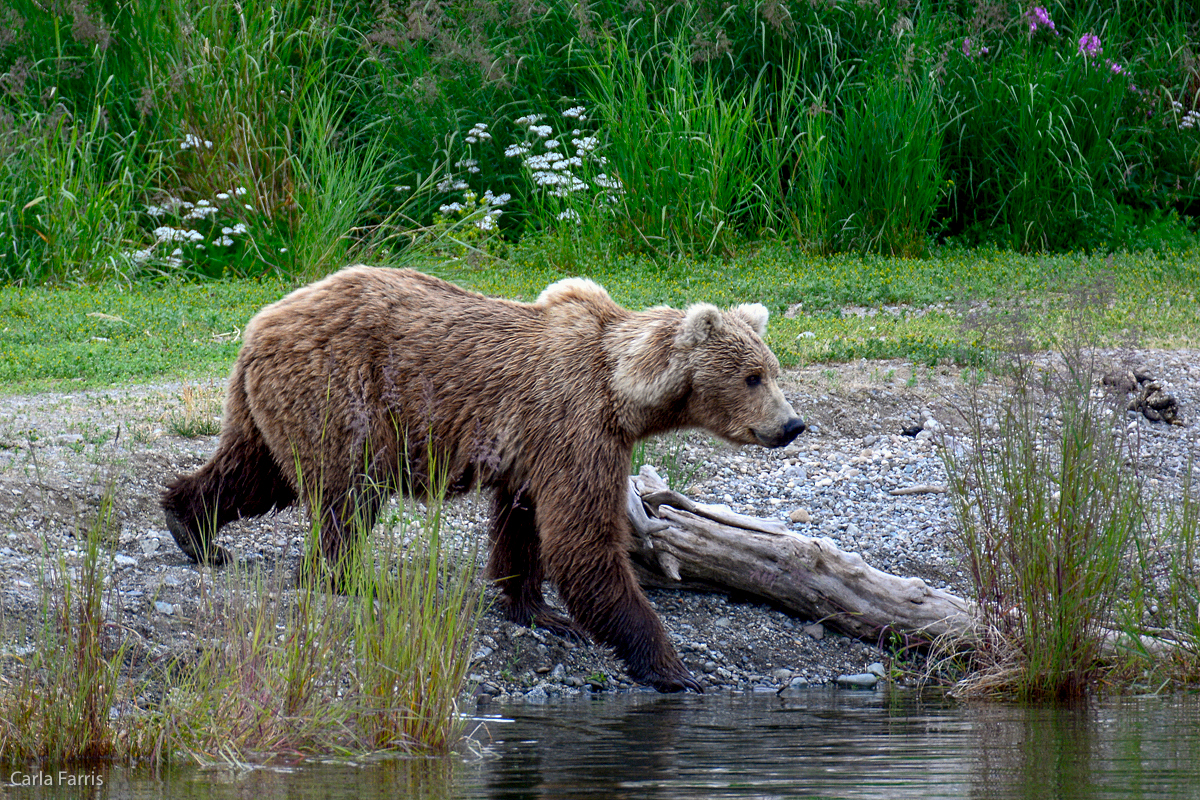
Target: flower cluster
972 52
193 142
472 205
186 231
478 133
1089 45
1089 48
1039 19
1187 121
564 165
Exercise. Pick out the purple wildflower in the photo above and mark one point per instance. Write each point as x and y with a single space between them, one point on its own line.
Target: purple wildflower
967 51
1038 17
1089 45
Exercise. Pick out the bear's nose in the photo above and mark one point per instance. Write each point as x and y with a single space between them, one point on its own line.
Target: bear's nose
791 429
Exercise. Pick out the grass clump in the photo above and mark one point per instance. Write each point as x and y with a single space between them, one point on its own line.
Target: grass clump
309 672
279 671
59 703
1066 544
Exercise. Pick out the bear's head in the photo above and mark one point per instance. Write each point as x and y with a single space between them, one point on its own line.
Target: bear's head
713 369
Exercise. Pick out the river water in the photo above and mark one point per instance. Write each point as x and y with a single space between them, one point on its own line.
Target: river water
824 743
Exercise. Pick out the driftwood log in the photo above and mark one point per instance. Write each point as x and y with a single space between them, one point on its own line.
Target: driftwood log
679 543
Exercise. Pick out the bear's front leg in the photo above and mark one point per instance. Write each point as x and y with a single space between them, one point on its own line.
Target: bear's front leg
586 548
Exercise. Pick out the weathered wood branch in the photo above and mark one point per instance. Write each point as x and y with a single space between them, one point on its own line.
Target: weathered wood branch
679 543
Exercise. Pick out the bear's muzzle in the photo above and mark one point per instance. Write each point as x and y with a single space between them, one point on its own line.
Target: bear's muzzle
792 428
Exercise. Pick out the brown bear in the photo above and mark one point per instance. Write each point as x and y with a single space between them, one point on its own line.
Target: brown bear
346 386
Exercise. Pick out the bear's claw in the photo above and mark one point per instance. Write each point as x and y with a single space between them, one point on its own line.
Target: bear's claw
543 617
200 552
681 682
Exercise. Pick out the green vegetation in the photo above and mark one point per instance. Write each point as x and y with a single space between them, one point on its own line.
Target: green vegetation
874 173
277 670
215 139
59 706
1082 570
842 307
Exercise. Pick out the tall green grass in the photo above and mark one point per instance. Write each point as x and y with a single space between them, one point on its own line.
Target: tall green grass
1067 546
872 180
60 704
279 671
688 153
704 111
380 667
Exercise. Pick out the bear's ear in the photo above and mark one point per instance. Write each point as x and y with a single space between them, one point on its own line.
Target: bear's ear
753 314
700 322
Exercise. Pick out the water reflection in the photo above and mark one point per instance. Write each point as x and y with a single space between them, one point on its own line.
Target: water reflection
825 743
844 744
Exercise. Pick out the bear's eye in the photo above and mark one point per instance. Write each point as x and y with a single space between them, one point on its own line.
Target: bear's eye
753 380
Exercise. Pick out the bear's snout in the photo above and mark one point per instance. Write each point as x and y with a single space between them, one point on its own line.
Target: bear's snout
793 427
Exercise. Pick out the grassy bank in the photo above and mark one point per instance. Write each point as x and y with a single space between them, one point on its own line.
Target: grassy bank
823 308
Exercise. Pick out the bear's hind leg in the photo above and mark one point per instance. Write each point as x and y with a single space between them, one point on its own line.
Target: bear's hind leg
515 566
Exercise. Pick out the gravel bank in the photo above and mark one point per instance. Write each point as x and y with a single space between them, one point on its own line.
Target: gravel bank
60 452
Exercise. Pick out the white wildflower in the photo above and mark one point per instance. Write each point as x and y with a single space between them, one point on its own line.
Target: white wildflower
192 140
586 145
201 211
570 215
451 184
575 112
605 182
541 131
222 196
239 191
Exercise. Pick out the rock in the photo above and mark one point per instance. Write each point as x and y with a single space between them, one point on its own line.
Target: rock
537 694
122 560
861 680
800 516
164 608
876 668
149 545
794 687
815 630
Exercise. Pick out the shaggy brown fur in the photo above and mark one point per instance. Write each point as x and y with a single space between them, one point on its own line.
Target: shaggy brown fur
350 383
